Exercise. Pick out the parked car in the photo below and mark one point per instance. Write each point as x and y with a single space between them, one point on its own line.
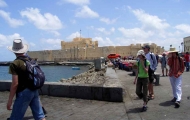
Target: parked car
113 56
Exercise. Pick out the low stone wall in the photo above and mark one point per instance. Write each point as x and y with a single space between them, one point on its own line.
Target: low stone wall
110 90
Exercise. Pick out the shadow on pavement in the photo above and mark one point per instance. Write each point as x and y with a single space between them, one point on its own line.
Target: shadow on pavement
134 110
166 104
28 118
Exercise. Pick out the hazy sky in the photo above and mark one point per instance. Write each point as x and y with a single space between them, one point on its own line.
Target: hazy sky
44 23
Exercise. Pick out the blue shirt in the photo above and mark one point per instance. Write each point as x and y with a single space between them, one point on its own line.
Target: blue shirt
153 61
163 61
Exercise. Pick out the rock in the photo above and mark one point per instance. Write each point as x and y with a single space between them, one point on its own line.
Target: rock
73 77
63 80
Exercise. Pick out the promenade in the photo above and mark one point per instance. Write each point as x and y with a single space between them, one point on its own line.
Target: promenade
77 109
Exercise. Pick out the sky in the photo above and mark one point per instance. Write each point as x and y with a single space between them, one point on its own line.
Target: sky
43 24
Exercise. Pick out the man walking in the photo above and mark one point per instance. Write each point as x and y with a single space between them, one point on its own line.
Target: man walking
153 64
163 62
175 74
187 61
24 96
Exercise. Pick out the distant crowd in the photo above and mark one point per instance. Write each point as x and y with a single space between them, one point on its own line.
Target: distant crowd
172 65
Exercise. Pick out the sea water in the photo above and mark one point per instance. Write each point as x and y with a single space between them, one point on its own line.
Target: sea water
52 73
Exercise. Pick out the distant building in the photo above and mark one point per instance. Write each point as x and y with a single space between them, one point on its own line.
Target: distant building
186 43
79 42
86 49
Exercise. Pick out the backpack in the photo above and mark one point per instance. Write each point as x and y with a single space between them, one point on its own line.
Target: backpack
151 55
144 64
157 57
36 77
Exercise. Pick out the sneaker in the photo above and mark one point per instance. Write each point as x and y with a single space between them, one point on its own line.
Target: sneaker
45 112
174 99
177 104
144 109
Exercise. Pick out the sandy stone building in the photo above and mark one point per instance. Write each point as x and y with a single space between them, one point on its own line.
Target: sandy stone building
79 42
86 49
186 42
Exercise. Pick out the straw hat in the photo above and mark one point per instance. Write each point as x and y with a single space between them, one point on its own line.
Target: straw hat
140 52
18 47
172 50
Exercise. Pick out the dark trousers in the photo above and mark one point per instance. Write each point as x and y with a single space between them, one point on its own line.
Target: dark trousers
142 88
151 75
187 66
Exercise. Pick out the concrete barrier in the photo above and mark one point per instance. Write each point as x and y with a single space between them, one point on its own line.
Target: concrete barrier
110 91
157 77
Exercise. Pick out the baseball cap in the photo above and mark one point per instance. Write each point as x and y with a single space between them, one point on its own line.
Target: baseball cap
146 46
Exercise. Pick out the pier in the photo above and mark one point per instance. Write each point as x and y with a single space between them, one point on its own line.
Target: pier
80 109
53 63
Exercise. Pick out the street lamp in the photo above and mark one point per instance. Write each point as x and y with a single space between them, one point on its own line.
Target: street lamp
182 46
84 53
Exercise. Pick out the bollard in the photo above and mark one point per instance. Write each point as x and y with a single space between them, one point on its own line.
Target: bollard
97 64
157 77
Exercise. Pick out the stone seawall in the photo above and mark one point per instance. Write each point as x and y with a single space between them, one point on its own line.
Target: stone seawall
108 90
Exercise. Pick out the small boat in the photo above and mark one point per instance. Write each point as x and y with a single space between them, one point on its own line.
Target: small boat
75 68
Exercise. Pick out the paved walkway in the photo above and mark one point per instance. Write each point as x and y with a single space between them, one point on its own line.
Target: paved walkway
76 109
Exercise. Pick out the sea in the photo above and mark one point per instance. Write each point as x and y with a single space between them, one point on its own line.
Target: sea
52 73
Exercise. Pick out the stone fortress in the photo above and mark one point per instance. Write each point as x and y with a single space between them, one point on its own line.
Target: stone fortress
186 43
86 49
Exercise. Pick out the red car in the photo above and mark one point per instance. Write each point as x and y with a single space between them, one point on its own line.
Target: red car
111 56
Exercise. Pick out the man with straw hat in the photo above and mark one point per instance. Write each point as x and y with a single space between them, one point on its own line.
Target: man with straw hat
176 66
24 96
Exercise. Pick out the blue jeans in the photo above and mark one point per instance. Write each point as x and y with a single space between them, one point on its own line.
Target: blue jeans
23 100
187 66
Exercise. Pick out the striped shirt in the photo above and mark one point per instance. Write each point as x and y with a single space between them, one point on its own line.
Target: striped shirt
176 68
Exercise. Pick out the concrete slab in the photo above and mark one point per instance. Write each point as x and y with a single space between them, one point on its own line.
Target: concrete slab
110 91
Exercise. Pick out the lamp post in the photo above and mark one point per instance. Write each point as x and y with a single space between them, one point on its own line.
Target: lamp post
84 53
182 46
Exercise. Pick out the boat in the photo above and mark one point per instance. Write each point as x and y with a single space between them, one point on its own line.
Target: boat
75 68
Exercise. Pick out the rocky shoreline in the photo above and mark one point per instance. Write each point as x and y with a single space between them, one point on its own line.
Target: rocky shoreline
89 77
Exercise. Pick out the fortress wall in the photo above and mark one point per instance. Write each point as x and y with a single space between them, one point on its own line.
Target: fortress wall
123 50
36 54
186 44
85 48
79 43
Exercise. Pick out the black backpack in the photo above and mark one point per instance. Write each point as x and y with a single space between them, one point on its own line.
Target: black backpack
36 77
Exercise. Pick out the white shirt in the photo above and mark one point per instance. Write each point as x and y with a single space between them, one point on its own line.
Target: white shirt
153 61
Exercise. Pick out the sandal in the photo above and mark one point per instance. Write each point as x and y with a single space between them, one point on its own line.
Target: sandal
151 96
144 109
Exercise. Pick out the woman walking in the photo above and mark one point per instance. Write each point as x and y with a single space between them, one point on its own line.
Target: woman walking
176 66
142 78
